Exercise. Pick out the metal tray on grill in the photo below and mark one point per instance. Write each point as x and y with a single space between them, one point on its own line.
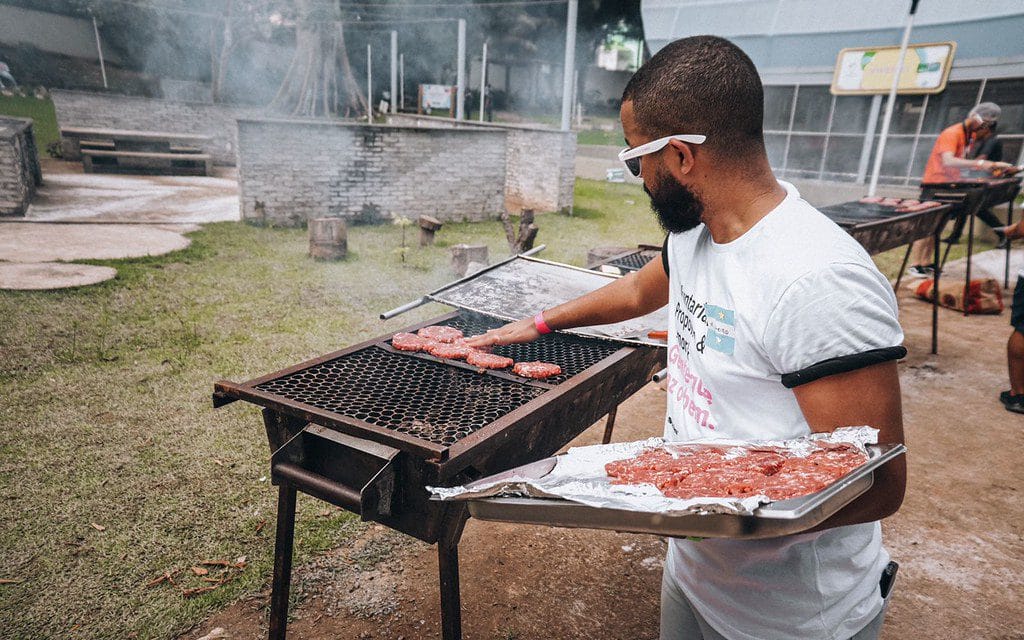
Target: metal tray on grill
780 518
523 284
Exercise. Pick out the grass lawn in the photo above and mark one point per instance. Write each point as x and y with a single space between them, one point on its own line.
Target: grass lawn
106 417
41 111
596 136
114 468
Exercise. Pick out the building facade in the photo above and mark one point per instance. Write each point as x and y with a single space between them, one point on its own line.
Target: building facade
812 134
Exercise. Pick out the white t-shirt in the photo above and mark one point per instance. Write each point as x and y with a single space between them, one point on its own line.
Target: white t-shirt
792 291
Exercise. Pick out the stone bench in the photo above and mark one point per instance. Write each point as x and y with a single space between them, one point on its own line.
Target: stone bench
104 160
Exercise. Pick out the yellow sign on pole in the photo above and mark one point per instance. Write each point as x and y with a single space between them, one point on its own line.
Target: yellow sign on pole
869 70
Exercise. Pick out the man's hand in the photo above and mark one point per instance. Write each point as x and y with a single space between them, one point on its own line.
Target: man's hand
1012 232
513 333
997 167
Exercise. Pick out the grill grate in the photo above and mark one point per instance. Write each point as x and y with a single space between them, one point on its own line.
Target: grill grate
424 399
634 261
572 353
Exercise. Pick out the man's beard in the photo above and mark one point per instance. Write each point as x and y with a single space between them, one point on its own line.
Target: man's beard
678 208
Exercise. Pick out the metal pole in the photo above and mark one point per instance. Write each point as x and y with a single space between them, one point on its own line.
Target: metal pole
394 72
576 98
869 139
401 80
369 84
892 99
570 63
483 80
99 50
460 82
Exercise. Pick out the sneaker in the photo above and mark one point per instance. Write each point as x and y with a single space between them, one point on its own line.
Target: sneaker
1004 396
924 271
1015 404
1003 244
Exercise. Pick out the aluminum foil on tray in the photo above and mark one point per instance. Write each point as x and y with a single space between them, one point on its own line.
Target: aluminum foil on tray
579 475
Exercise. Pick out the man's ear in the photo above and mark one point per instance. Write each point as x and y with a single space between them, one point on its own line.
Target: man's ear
679 159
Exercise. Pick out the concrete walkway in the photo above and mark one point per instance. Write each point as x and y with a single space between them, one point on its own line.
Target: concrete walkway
77 216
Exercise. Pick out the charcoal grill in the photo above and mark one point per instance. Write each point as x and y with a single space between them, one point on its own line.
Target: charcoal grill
368 427
971 196
879 229
628 261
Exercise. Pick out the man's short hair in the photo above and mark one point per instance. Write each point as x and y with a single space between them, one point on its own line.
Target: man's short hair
703 85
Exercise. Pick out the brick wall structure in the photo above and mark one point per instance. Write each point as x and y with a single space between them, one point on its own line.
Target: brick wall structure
292 170
540 161
19 166
115 111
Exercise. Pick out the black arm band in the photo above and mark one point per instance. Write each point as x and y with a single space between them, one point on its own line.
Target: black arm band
842 364
664 254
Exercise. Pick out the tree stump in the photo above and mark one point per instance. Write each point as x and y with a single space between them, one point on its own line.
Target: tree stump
428 227
464 254
328 238
522 240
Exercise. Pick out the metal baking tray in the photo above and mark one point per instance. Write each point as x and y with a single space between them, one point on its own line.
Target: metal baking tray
780 518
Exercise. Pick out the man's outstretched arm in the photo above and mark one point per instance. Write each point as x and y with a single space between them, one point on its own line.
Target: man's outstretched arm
630 296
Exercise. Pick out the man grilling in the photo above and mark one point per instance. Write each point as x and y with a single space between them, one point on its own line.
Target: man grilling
779 319
947 159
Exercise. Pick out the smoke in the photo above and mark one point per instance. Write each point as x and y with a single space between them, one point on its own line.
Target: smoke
189 41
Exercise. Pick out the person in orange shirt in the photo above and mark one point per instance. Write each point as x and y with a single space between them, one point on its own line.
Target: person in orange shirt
947 159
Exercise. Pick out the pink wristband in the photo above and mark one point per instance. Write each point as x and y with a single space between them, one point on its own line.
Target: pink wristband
542 327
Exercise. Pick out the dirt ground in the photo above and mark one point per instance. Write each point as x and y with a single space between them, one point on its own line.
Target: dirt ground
958 537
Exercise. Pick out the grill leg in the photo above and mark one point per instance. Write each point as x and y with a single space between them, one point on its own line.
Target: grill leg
903 267
282 562
970 251
1009 221
608 426
451 601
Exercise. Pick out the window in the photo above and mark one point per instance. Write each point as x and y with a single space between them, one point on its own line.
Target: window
851 114
905 115
805 153
844 155
776 147
778 102
950 106
812 107
1009 95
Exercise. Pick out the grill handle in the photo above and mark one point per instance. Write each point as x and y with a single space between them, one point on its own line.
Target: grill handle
409 306
661 375
319 486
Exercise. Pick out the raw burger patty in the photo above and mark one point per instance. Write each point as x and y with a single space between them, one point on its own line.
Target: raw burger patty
440 334
536 370
452 351
408 342
488 360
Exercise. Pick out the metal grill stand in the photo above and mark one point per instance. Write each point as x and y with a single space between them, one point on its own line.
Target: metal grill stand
367 429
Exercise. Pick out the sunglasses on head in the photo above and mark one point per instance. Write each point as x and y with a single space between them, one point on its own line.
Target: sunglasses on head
631 156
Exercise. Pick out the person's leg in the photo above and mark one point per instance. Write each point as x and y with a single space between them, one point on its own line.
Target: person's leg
1013 399
1015 360
873 629
678 621
922 252
991 220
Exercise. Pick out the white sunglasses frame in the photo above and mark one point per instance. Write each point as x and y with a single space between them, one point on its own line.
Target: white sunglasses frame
657 145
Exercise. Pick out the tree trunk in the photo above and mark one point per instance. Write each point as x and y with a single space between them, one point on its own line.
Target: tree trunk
220 53
310 88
